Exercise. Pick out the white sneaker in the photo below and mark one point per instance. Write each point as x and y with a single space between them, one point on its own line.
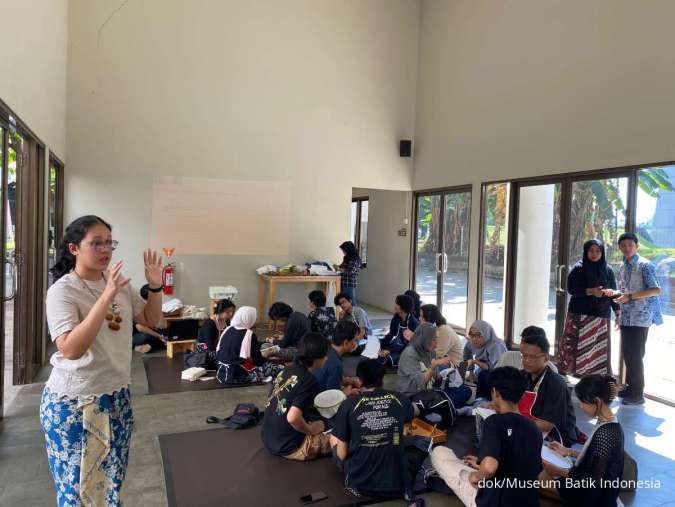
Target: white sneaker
267 379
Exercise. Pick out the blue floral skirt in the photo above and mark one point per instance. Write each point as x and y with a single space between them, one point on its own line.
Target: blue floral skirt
65 436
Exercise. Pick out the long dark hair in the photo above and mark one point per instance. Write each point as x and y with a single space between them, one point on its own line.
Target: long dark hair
349 249
432 314
75 233
595 386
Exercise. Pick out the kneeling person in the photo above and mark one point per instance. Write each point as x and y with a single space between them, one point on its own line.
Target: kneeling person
368 438
287 430
510 450
344 341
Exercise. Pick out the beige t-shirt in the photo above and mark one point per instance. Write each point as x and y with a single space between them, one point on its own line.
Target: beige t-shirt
449 344
106 366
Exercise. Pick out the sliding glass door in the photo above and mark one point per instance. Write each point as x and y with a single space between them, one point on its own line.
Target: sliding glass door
442 251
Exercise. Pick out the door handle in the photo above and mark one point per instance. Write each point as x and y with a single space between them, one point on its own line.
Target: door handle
558 278
12 266
445 263
438 263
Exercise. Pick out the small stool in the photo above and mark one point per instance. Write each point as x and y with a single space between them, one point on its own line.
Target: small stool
174 347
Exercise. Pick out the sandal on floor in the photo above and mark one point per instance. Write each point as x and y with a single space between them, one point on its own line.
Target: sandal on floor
212 419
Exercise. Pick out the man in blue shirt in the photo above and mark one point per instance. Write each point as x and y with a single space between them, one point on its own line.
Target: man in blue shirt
345 340
639 299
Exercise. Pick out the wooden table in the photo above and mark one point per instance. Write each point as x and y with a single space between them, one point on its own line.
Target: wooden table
267 287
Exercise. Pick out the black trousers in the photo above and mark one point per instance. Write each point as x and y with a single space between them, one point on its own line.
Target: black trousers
633 341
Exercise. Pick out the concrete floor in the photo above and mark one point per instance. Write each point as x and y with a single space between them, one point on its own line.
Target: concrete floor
25 478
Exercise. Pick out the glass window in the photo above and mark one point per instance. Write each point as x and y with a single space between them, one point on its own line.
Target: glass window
495 235
363 236
655 227
455 259
352 223
426 255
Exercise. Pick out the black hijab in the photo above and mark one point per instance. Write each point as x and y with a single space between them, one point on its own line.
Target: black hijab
595 273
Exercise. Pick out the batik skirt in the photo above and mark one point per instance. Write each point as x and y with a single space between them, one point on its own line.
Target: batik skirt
585 345
87 446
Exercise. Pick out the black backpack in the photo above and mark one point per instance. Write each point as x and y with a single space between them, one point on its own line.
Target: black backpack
201 359
435 401
246 415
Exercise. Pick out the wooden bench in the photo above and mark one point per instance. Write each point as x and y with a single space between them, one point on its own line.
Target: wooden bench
174 347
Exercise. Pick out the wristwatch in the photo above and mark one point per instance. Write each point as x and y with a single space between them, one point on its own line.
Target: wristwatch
158 289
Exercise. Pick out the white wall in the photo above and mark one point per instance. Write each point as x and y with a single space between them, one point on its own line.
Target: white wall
530 87
388 269
33 38
314 93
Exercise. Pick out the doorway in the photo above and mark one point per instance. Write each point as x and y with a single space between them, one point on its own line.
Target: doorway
441 251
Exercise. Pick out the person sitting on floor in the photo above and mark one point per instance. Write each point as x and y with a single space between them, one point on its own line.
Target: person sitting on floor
547 400
344 341
238 352
211 329
294 326
286 429
368 440
593 480
510 450
448 342
355 314
419 369
486 349
321 317
417 302
403 320
147 339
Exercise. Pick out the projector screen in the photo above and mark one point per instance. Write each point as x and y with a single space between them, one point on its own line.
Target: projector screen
221 217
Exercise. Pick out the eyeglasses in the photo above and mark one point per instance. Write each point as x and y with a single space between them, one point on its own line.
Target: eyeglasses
532 357
102 246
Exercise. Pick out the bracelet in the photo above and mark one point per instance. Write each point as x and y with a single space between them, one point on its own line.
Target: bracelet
157 290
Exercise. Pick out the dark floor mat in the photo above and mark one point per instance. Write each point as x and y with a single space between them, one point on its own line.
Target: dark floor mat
163 374
230 467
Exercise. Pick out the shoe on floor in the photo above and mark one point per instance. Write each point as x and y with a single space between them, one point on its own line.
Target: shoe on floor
623 393
633 400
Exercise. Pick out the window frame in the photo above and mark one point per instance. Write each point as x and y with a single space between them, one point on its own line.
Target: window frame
357 228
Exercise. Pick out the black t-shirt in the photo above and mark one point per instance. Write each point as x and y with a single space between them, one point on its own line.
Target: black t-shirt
372 424
295 386
554 404
515 442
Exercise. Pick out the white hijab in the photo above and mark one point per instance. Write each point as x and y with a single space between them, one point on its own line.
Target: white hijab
244 318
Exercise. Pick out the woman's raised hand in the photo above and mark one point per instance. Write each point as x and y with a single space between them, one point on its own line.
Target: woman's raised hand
153 268
115 283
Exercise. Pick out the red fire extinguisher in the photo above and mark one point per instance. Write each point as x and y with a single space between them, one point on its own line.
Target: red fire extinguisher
168 279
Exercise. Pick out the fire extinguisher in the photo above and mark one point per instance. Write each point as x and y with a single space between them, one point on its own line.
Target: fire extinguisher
168 279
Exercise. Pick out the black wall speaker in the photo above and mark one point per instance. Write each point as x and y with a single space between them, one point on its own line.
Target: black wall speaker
405 148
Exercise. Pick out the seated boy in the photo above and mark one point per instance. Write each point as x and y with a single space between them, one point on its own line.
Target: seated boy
355 314
291 428
321 318
294 325
368 439
510 450
344 341
401 329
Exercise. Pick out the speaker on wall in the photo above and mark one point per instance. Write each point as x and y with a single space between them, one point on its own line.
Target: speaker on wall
405 148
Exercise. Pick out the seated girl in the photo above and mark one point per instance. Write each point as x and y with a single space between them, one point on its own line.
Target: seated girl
418 369
238 352
397 338
448 342
212 328
321 317
594 478
486 349
147 339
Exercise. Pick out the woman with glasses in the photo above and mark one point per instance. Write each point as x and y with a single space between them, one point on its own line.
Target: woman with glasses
86 411
486 349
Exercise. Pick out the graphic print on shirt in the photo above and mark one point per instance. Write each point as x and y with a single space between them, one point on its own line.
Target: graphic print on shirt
280 387
376 421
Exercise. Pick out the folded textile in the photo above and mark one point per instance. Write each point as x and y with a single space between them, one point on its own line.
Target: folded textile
193 373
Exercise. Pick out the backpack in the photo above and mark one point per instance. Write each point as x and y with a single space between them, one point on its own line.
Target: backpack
200 359
246 415
435 401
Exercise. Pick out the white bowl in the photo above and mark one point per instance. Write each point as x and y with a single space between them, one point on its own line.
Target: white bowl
328 402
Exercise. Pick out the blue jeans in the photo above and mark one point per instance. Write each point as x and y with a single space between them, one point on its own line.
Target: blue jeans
458 395
351 292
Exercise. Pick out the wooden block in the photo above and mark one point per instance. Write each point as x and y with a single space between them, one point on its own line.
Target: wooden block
175 347
424 429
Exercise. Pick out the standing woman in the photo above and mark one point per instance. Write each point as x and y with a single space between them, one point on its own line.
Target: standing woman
585 342
349 269
86 410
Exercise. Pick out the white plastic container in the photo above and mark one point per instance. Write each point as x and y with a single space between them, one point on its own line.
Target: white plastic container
328 402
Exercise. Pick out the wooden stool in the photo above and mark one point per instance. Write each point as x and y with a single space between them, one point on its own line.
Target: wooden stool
174 347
